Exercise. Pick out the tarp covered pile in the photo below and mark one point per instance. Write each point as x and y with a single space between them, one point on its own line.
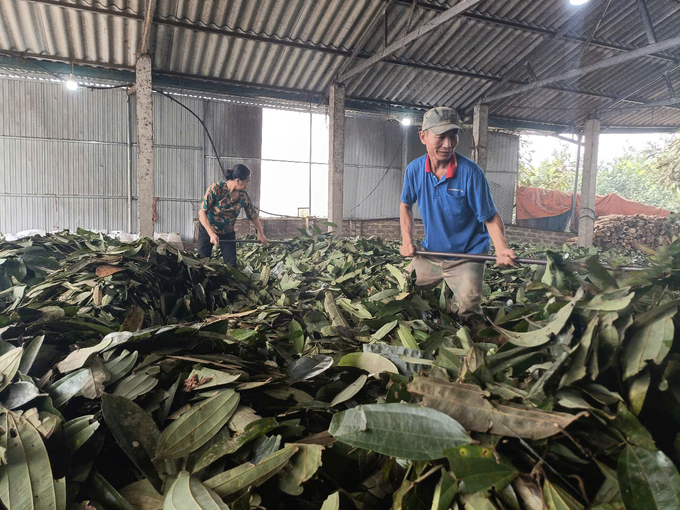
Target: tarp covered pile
317 376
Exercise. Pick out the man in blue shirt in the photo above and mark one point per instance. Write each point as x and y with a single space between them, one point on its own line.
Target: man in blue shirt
458 214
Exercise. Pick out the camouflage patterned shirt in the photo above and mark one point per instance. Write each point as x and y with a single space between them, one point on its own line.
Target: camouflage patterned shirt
222 207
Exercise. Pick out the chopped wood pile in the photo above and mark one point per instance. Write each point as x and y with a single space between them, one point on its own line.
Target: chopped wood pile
629 232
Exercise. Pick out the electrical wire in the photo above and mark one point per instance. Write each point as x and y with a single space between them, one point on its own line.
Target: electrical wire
207 132
389 167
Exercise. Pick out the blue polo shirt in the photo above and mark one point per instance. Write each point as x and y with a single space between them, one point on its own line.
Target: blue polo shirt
454 208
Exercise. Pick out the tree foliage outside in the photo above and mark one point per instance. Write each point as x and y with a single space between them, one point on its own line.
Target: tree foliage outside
556 173
650 176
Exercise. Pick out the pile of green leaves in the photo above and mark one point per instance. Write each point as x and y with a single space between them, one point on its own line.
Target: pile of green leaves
318 376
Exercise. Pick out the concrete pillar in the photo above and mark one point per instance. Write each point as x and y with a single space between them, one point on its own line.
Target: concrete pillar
336 167
145 187
480 135
589 183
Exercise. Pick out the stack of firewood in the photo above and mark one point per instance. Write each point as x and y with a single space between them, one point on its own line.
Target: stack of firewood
623 232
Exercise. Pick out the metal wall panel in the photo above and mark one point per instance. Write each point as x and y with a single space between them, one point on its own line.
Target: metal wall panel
176 217
372 142
64 156
173 125
178 173
53 167
58 212
374 162
502 168
383 203
236 129
47 110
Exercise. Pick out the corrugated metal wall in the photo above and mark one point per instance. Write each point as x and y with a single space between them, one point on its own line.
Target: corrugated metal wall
64 156
374 153
376 150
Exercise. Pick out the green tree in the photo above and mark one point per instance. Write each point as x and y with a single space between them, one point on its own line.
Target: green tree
637 176
650 175
668 160
556 173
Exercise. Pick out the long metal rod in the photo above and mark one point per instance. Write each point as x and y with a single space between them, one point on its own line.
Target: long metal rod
668 44
539 262
253 241
480 258
447 15
464 256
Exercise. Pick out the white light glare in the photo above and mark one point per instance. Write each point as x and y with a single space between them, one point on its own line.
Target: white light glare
578 2
405 121
71 84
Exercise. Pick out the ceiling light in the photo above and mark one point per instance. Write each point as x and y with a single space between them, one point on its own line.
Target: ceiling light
405 121
578 2
71 83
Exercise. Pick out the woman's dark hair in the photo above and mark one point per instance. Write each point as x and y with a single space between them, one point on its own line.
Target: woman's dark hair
238 172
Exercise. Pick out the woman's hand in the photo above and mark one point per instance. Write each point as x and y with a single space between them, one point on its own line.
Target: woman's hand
214 239
262 238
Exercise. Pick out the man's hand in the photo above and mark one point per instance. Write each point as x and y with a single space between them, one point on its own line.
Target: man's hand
407 250
214 239
262 238
505 257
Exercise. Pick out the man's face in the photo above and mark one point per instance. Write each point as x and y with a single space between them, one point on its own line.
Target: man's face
241 184
440 147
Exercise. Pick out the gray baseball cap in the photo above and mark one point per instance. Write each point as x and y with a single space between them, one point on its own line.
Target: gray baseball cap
440 120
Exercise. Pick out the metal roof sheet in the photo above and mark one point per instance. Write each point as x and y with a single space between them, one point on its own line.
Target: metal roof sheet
300 46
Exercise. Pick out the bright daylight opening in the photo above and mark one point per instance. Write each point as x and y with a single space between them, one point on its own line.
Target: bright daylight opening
294 178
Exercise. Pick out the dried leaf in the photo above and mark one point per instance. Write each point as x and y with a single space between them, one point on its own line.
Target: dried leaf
197 426
135 432
106 270
399 430
188 493
9 365
249 475
26 480
468 405
372 363
543 335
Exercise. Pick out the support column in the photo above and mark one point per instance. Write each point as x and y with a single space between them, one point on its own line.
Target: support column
589 183
336 167
145 186
480 135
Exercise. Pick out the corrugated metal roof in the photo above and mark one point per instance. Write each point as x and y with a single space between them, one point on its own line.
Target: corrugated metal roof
302 44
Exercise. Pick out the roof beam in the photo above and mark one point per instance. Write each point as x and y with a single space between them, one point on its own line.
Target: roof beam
655 104
581 71
669 84
90 63
494 20
433 7
445 16
305 46
146 31
544 47
364 37
646 21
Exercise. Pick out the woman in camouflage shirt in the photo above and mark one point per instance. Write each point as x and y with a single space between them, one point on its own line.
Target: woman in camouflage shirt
222 204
